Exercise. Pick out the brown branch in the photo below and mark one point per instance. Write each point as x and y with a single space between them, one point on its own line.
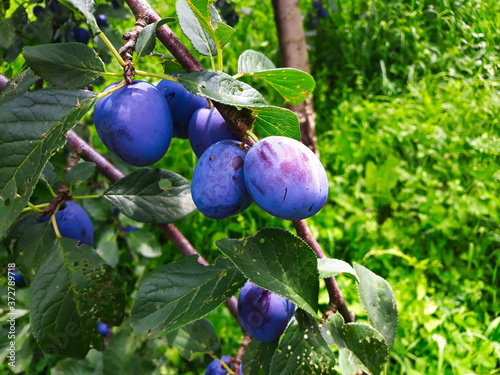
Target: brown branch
114 174
237 359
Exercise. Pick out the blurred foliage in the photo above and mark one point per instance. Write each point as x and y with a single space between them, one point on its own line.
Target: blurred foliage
407 107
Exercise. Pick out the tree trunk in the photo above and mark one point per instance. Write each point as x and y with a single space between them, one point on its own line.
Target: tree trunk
293 54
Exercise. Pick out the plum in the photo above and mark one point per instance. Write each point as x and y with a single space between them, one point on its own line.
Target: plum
135 123
263 314
206 127
216 368
218 187
80 35
74 222
285 178
102 20
182 105
103 328
18 278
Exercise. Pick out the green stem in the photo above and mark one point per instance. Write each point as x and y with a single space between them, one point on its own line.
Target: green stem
87 196
54 222
219 57
112 49
156 75
112 89
252 135
239 75
36 208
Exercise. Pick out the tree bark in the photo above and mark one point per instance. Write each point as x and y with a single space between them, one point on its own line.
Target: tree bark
293 54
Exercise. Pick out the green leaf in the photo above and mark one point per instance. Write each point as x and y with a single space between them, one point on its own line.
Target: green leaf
270 120
302 349
68 65
123 354
18 85
222 88
86 9
141 197
182 292
145 243
367 344
292 84
70 366
197 337
70 292
332 267
377 298
257 357
33 126
252 61
79 172
278 261
223 32
147 38
202 41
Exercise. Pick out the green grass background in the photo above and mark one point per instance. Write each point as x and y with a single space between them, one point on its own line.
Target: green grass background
407 105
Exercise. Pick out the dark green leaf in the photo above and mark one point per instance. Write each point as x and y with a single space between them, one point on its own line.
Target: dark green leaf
33 126
141 197
202 41
107 247
79 172
293 85
332 267
377 298
367 344
278 261
223 32
8 32
70 366
222 88
18 85
68 65
182 292
257 357
252 61
147 38
302 350
71 291
86 8
197 337
123 354
270 120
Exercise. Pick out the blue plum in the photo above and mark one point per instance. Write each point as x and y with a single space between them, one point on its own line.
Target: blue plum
263 314
285 178
74 222
102 20
207 127
135 123
218 187
182 104
103 328
53 5
38 10
18 278
80 35
216 368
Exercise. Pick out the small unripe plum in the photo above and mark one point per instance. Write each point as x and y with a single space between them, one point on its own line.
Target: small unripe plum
218 187
263 314
134 122
74 222
285 178
206 127
80 35
182 105
216 368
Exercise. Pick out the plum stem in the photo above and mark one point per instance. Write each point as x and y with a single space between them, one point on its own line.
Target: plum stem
112 49
337 302
170 230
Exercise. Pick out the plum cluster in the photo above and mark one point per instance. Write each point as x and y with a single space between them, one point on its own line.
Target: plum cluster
281 175
263 314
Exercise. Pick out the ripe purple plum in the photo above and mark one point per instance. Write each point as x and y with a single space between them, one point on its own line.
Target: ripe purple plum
74 222
182 105
103 328
206 127
263 314
216 368
80 35
285 178
218 187
135 123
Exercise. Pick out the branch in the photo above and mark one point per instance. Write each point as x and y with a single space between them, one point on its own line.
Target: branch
87 153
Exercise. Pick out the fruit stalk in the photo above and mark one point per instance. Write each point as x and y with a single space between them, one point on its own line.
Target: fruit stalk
114 174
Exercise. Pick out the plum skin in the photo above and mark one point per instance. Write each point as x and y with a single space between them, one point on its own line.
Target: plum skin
206 127
103 328
135 123
263 314
74 222
285 178
218 187
216 368
183 104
